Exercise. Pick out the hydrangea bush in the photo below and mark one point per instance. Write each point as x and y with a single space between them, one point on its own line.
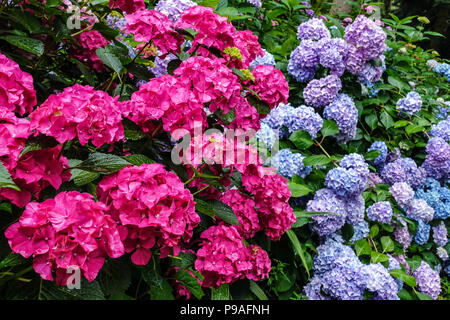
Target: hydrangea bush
179 149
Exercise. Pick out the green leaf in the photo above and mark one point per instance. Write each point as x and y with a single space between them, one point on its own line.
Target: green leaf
184 260
400 123
298 248
159 288
88 291
5 179
221 293
329 128
115 276
307 214
228 12
316 160
412 128
140 71
82 177
102 163
301 139
12 260
300 222
362 247
257 291
376 257
396 82
374 230
28 20
138 159
190 282
110 59
387 244
298 190
372 155
28 44
405 295
386 120
402 275
423 296
223 211
372 120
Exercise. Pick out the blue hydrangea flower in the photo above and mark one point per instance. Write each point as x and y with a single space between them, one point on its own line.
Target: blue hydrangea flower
360 231
266 59
443 69
380 211
394 264
441 130
343 111
116 22
436 196
289 164
303 118
266 136
371 91
382 147
303 61
379 281
276 118
345 182
355 207
437 161
443 112
422 233
411 104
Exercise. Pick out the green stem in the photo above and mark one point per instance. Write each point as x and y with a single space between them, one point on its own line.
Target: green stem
198 191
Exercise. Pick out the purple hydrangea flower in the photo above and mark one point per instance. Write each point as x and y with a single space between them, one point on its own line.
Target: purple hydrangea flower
266 136
313 29
266 59
419 209
382 147
343 111
304 118
379 281
276 118
332 54
437 162
374 179
355 60
370 73
116 22
441 130
411 104
356 162
355 207
422 233
428 280
380 211
442 253
365 35
440 234
402 193
173 8
403 170
394 264
321 92
326 201
256 3
402 235
160 67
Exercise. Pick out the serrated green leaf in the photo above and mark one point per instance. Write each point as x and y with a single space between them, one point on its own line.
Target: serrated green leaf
402 275
376 257
372 120
138 159
190 282
28 44
298 190
301 139
386 120
387 244
412 128
109 59
423 296
102 163
362 247
316 160
400 123
184 260
223 211
221 293
5 179
329 128
257 291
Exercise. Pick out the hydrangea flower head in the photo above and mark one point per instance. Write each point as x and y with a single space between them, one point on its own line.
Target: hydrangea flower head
380 211
321 92
343 111
127 6
419 209
427 280
303 118
411 104
440 235
313 29
332 54
402 193
17 92
382 147
89 42
289 164
270 84
265 59
70 230
152 207
173 8
441 130
422 232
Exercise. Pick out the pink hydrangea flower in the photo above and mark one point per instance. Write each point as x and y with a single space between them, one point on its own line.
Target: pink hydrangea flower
14 133
82 112
127 6
213 30
152 207
69 231
248 45
89 42
168 99
17 92
244 208
224 258
35 171
270 84
150 25
271 194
